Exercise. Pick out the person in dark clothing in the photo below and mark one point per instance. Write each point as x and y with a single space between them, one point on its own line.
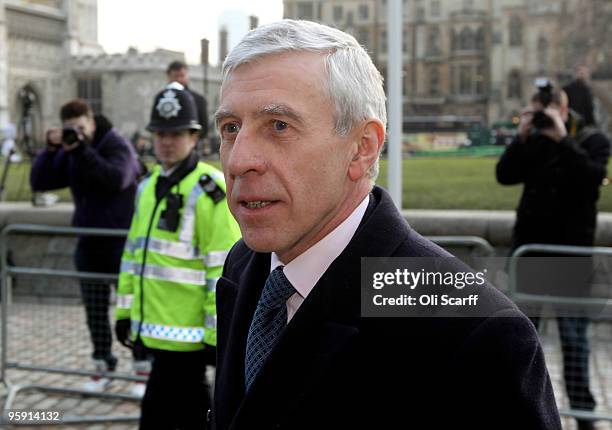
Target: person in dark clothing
177 72
561 167
100 168
580 95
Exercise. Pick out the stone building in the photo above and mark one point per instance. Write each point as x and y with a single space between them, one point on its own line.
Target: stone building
464 61
122 86
52 55
37 40
529 43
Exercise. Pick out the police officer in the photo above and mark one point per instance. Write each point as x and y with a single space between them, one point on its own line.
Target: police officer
180 234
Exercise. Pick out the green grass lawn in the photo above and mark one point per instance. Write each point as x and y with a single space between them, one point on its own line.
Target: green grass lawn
429 183
452 183
17 187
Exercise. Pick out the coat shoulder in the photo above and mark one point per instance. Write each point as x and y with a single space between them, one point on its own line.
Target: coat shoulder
236 261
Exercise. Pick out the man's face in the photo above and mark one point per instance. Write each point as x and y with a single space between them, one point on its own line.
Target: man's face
286 169
582 73
179 76
84 124
172 147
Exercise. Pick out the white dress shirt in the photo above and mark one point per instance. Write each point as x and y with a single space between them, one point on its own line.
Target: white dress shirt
306 269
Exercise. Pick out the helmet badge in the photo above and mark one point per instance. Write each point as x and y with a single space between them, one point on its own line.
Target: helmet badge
168 106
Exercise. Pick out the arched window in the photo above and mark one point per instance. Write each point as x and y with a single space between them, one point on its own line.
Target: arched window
433 41
514 85
480 39
382 41
543 54
466 78
466 39
480 79
434 81
516 31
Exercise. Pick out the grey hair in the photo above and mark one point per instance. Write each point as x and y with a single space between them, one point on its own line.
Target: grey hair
354 85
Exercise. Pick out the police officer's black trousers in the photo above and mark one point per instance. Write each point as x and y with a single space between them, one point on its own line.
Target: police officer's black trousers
177 395
96 296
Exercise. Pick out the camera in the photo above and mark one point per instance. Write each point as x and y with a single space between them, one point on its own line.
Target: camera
70 135
544 95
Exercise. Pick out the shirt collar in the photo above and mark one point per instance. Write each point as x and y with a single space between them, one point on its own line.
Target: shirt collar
307 268
168 172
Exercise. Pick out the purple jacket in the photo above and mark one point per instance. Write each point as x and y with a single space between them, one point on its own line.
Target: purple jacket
102 178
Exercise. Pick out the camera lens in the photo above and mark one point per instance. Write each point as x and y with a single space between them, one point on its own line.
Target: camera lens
70 136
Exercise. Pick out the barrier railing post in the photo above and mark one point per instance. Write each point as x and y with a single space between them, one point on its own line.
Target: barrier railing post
6 274
474 242
540 300
4 284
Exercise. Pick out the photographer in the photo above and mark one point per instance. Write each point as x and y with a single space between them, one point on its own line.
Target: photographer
562 164
100 167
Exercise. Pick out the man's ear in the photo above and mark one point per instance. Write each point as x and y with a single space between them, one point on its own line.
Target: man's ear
369 142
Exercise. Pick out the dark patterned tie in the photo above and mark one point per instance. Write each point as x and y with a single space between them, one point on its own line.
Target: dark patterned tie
268 322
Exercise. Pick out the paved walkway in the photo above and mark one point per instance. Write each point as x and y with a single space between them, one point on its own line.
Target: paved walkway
55 335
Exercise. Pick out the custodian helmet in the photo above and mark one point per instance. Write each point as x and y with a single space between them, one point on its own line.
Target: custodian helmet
174 109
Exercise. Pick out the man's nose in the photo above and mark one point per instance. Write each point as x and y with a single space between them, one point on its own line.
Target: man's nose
246 154
165 139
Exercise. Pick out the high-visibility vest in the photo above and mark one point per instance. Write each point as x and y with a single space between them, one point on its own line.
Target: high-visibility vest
168 278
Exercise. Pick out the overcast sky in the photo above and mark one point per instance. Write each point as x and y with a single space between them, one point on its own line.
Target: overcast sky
177 24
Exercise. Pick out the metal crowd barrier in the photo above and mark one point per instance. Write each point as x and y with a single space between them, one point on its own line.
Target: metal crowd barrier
22 353
476 244
600 331
563 364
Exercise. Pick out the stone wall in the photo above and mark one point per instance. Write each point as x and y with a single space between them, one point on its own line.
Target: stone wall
40 251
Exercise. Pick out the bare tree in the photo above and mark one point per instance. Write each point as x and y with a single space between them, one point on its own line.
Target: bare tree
586 34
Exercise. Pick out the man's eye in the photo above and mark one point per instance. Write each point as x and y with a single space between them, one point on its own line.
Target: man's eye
231 128
280 125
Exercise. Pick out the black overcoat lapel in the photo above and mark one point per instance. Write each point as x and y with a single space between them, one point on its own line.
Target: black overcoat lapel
236 303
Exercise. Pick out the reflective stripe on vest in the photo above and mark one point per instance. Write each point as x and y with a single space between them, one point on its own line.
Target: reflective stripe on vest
211 285
183 251
178 250
166 332
172 274
211 322
186 234
124 301
215 258
141 186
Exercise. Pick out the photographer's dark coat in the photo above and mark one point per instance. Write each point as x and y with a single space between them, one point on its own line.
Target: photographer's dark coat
562 181
102 177
333 369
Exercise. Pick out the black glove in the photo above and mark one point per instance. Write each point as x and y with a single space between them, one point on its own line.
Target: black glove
122 331
210 355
